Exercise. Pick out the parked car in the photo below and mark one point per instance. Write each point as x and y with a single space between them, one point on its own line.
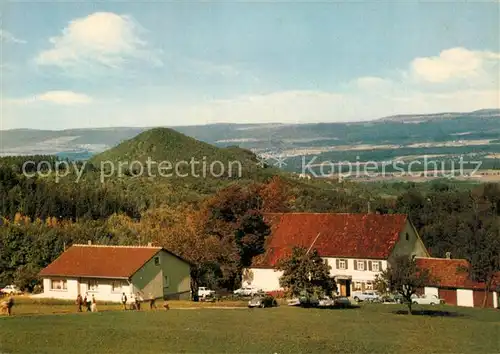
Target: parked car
326 302
11 290
368 296
392 299
294 302
308 301
204 291
262 301
247 291
426 300
342 301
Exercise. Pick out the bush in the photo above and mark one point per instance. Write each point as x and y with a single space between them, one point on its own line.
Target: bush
269 301
26 277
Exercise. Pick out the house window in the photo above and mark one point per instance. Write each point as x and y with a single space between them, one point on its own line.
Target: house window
356 286
166 282
375 267
92 285
369 285
361 265
157 261
60 284
116 286
342 264
407 236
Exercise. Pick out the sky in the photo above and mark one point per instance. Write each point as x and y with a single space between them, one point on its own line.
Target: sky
106 64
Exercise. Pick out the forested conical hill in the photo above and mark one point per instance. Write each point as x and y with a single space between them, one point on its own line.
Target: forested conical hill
167 145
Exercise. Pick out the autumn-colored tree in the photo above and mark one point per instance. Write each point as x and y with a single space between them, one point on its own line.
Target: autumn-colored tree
232 216
276 196
181 230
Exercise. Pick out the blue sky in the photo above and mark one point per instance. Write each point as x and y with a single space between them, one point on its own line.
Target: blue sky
67 65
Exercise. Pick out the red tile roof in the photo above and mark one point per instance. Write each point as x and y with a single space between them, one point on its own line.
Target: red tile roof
452 273
371 236
100 261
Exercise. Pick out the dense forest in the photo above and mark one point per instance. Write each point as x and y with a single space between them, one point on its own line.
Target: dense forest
217 224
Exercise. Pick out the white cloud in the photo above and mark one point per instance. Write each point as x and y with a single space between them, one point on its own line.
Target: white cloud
103 38
372 83
282 106
454 63
55 97
8 37
361 99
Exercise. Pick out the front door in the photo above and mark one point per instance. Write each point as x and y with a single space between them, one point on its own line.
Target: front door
347 288
343 288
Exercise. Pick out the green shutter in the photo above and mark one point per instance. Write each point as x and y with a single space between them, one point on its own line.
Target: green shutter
346 263
370 266
379 266
366 265
355 264
337 261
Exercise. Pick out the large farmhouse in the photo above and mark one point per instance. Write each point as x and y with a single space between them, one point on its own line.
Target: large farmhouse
452 283
108 271
356 246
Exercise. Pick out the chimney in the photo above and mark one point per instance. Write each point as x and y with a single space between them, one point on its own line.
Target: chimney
89 242
150 244
448 255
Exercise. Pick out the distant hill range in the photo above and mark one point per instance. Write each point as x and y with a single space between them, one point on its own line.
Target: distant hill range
411 118
482 125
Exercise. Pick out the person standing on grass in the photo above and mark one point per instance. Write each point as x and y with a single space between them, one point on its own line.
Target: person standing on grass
138 300
94 304
152 302
86 301
124 301
10 305
79 302
166 306
132 302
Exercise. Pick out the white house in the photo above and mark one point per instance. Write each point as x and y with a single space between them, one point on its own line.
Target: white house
108 271
356 246
451 282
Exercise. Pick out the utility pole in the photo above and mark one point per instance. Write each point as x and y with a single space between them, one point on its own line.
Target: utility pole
309 249
312 244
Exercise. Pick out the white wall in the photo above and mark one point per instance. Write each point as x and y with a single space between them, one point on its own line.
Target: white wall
357 275
102 293
429 291
265 279
465 297
105 291
70 293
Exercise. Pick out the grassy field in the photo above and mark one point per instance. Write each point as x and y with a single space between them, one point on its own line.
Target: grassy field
368 329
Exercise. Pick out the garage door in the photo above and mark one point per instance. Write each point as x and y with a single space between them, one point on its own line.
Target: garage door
449 296
479 298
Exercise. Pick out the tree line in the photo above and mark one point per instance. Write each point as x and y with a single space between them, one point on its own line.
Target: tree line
220 230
